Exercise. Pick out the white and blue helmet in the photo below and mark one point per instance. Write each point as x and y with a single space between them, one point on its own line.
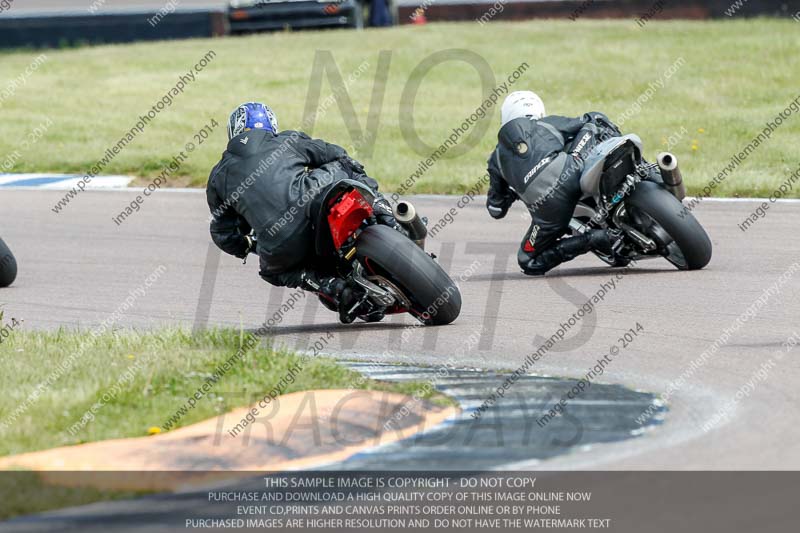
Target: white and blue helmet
252 116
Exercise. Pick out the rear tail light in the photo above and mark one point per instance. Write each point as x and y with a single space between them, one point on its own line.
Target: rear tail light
347 215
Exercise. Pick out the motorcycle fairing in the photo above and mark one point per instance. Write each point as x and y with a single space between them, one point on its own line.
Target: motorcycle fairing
348 212
318 212
596 162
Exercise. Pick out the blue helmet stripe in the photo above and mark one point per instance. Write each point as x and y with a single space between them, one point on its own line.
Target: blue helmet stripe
252 116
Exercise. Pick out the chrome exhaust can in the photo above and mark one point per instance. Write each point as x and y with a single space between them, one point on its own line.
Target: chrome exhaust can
407 216
671 174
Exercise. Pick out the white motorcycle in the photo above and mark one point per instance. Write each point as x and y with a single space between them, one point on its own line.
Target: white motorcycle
644 201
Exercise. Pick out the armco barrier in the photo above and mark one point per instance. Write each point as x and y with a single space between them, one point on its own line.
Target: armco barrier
70 28
65 29
520 10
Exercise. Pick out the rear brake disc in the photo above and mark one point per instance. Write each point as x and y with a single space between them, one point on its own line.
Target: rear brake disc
392 288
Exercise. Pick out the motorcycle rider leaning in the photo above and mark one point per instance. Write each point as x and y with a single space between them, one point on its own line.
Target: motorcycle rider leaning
539 160
265 182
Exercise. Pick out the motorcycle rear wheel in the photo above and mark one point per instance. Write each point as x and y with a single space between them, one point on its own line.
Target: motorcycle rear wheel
435 298
662 217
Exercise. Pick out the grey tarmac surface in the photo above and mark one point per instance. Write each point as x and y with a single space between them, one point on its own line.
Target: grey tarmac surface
77 268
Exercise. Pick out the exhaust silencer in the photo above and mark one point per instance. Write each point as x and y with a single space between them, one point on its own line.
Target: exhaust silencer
671 174
407 216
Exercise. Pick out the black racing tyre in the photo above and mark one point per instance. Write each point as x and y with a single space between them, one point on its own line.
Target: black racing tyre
678 233
8 265
435 298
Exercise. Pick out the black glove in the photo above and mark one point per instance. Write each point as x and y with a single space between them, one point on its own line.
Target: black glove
496 212
583 143
384 214
498 204
604 124
354 166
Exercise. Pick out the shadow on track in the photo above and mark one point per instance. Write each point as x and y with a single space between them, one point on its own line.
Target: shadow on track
328 327
567 273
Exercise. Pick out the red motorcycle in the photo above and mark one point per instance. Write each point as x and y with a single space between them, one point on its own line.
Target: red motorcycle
392 268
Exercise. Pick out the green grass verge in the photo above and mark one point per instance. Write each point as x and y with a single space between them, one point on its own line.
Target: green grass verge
25 493
165 368
156 373
737 75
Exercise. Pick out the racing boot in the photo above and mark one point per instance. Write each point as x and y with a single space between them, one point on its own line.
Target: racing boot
609 246
375 315
338 296
607 242
567 249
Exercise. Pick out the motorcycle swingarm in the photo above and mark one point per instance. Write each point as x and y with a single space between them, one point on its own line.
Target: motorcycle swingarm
643 241
376 293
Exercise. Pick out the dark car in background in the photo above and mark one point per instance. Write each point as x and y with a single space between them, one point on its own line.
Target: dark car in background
259 15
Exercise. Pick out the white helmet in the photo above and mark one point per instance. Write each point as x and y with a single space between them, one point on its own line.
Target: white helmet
521 104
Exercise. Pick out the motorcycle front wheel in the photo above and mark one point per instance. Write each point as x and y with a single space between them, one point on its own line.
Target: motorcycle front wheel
434 297
8 265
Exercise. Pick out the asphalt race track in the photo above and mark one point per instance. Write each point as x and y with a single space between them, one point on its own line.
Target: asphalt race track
78 267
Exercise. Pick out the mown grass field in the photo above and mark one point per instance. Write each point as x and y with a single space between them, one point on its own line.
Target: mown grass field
736 75
166 368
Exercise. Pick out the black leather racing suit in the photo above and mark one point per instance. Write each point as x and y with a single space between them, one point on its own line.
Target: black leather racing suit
540 162
265 182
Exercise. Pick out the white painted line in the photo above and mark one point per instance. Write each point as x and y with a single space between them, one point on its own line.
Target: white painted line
61 181
688 198
196 190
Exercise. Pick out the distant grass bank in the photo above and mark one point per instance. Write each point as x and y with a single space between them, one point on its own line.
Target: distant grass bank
733 77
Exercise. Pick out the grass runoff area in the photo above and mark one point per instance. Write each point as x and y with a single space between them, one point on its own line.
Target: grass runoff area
132 383
135 382
734 77
25 493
